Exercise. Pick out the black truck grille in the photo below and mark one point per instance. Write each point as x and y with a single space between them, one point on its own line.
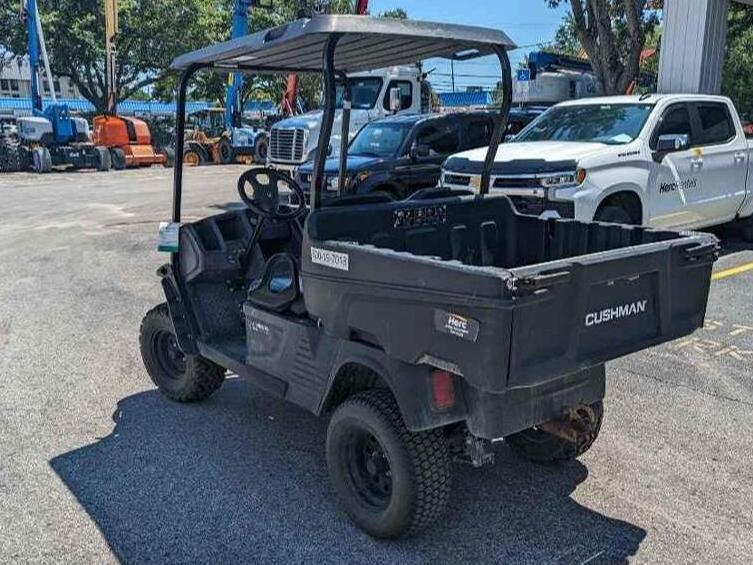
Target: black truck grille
517 182
536 206
286 145
457 180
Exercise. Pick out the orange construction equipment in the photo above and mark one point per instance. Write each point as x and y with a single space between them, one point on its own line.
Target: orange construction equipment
128 139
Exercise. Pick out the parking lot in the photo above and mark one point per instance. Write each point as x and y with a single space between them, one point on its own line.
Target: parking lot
96 466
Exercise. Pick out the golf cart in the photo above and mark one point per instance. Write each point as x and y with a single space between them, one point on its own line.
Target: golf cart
425 328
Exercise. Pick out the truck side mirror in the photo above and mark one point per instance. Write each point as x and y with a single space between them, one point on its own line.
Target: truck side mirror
419 150
395 100
672 142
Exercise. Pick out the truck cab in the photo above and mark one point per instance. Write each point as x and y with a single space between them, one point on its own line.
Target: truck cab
293 141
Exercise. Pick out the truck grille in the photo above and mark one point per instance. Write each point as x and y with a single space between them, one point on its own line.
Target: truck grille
517 182
458 180
287 145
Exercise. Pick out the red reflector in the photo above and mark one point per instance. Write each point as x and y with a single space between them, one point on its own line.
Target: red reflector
444 390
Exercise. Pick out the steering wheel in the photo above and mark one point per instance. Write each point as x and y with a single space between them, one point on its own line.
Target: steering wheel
264 198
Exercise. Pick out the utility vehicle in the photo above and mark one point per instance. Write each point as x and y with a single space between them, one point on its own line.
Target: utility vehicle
424 327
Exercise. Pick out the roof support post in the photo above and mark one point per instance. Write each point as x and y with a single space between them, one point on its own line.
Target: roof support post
180 135
500 124
328 118
344 134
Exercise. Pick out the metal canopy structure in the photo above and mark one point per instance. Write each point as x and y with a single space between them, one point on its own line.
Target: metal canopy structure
335 45
365 43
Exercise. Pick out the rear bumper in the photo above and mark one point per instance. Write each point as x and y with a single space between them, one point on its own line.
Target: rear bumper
493 416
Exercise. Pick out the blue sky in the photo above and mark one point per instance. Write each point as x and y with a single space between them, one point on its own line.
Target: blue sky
527 22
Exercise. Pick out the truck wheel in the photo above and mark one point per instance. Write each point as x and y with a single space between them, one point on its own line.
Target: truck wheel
10 154
183 378
389 481
613 215
41 160
194 156
543 447
226 152
103 158
118 158
261 148
169 154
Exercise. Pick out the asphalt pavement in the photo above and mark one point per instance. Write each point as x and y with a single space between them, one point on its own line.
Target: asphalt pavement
98 467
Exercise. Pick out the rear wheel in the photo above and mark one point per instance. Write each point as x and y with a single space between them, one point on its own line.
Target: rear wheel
118 158
41 160
389 481
746 229
169 154
539 446
10 154
226 152
184 378
103 158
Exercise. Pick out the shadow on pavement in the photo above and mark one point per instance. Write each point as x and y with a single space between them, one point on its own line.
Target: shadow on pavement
241 478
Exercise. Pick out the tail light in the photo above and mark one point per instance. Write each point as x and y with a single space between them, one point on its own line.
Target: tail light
443 389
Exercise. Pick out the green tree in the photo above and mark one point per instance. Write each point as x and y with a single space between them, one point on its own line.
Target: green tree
737 80
151 34
612 33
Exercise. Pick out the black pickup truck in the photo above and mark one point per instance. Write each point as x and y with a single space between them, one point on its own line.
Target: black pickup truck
402 154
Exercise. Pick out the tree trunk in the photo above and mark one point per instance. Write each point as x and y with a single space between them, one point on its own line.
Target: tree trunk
595 30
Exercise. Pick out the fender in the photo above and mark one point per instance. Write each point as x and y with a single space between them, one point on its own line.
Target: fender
586 207
410 384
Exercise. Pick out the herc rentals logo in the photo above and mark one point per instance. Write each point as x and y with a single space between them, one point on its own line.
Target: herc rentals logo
616 313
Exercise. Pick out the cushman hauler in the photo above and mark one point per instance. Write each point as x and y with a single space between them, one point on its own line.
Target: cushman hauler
425 327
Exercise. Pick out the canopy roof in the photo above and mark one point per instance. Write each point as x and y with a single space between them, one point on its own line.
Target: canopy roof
366 43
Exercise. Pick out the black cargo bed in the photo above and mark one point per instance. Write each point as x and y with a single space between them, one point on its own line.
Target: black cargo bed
504 299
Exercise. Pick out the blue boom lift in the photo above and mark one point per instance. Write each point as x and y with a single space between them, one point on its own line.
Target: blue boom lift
238 140
51 137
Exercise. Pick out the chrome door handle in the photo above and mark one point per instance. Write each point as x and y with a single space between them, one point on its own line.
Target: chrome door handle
740 157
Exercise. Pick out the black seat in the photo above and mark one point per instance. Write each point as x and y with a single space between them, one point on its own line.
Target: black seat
278 290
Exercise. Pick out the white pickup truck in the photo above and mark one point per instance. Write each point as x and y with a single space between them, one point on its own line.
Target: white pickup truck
293 141
670 161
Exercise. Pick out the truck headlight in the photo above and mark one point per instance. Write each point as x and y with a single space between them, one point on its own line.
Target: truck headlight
564 180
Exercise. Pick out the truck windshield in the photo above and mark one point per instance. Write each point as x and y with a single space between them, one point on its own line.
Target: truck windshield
363 91
611 124
379 140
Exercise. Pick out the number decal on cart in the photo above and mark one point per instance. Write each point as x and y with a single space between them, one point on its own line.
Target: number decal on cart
331 259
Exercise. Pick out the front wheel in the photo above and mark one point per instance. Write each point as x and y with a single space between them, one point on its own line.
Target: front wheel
226 151
261 148
118 158
582 426
389 481
181 377
613 215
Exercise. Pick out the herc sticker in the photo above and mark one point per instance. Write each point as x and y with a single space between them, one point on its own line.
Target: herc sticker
331 259
455 325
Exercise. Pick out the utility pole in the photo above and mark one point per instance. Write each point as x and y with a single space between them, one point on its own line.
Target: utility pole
111 30
452 73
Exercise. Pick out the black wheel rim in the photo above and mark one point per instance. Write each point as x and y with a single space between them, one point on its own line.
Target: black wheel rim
171 359
368 470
